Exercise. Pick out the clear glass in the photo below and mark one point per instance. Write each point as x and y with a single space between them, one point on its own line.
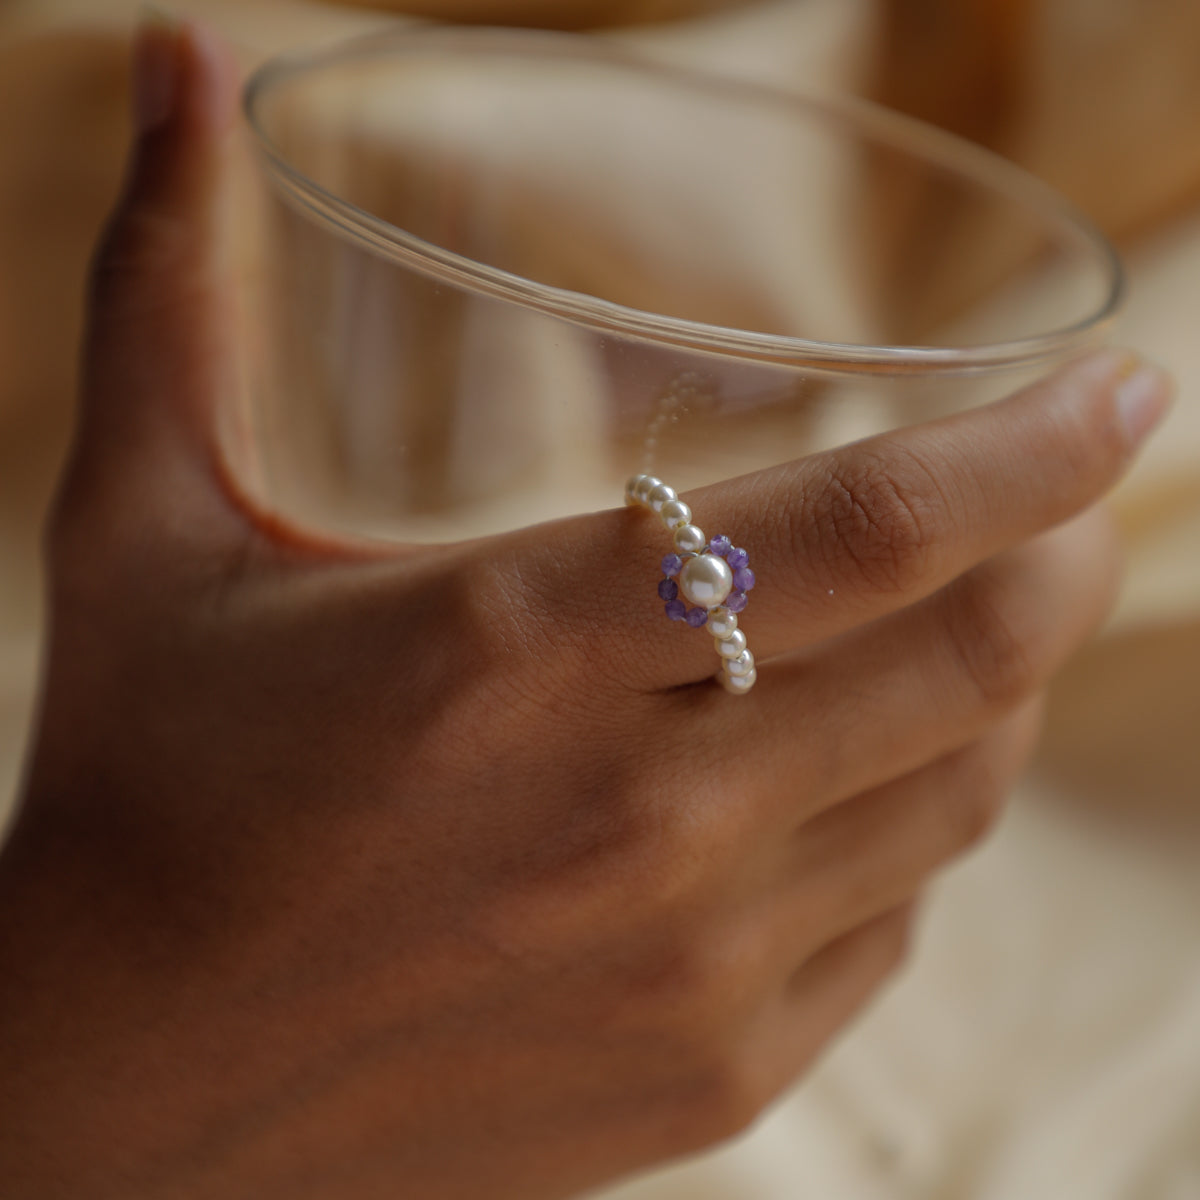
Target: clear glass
501 271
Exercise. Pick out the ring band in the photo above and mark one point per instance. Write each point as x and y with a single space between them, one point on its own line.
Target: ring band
713 576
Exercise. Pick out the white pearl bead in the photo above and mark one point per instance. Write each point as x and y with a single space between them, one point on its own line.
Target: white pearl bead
631 488
721 623
689 539
739 685
706 580
675 513
644 486
734 645
659 496
742 665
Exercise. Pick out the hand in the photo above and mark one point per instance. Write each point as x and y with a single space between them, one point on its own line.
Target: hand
359 871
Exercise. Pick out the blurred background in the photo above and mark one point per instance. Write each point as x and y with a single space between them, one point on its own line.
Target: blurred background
1045 1041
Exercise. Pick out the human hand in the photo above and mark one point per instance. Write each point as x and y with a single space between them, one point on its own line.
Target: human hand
351 871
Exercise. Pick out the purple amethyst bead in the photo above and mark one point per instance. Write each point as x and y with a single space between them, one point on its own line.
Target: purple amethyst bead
720 545
676 610
696 617
736 602
672 565
743 579
668 589
737 557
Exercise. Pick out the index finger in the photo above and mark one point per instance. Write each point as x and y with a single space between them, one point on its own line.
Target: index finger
846 536
849 535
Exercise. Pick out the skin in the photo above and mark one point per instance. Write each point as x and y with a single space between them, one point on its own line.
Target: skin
358 871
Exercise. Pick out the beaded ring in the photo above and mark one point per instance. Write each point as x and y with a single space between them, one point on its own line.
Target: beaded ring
714 576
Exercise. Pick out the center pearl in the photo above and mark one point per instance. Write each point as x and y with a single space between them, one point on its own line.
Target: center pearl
706 580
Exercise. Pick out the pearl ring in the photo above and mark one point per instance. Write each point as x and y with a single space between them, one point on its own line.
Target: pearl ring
712 576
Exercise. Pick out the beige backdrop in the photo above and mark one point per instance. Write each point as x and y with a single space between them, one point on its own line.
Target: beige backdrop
1045 1042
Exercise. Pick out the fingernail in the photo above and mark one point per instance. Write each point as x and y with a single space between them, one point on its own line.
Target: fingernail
218 96
1143 398
155 70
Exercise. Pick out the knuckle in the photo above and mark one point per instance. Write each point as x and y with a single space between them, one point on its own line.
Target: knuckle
981 797
890 942
991 652
697 993
705 986
731 1100
969 816
726 1096
880 520
140 245
976 814
689 841
966 806
668 860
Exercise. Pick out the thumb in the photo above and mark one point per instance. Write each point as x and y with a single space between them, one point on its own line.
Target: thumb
159 350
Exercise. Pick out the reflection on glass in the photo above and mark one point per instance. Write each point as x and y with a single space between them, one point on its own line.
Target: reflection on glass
504 270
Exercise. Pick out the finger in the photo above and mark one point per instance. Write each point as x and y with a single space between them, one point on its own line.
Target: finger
857 533
820 1000
878 850
159 354
845 537
849 885
875 704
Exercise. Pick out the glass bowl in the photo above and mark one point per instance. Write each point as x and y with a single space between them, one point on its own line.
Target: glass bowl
500 271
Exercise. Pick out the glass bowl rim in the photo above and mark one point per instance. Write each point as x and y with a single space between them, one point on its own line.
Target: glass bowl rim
390 242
